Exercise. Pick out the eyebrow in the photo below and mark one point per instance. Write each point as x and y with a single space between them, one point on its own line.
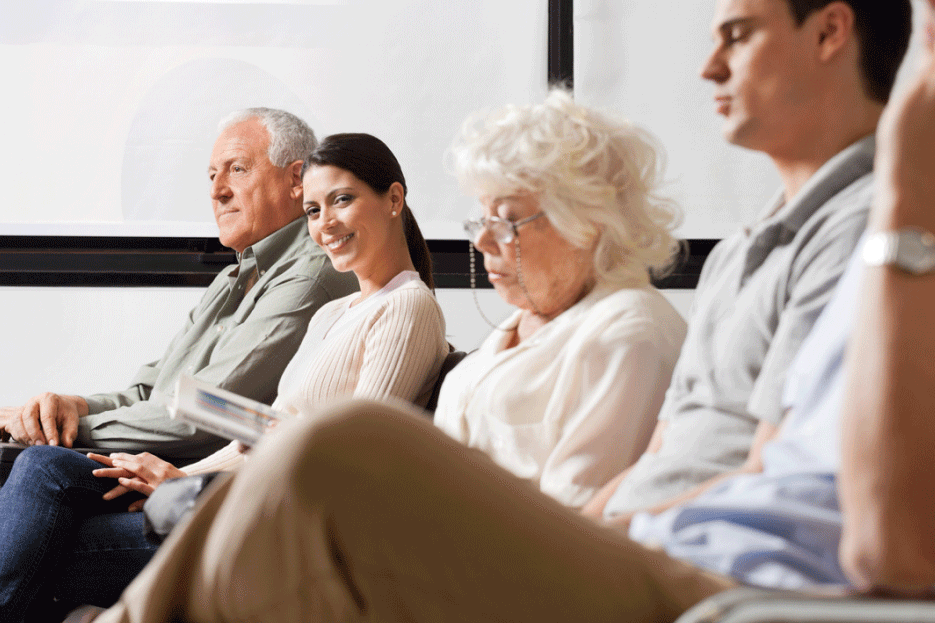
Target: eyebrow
330 195
504 199
225 164
724 28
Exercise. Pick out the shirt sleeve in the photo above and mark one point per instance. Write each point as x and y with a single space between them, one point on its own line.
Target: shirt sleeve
404 348
815 274
622 376
248 361
141 387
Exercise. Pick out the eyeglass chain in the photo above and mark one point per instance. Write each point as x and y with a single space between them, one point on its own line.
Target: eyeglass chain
519 274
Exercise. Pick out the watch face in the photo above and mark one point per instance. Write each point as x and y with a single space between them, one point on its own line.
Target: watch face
916 251
909 249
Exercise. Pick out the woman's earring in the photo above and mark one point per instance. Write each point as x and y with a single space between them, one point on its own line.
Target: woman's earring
393 213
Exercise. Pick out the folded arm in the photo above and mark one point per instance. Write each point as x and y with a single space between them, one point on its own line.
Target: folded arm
888 421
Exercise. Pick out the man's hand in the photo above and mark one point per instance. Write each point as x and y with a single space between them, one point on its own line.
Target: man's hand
7 414
906 149
45 419
135 472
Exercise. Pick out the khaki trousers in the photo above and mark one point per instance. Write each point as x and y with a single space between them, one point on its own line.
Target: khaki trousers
372 514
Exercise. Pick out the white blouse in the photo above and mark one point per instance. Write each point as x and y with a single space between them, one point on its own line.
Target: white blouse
575 404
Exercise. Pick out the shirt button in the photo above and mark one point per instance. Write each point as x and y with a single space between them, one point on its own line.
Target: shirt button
262 272
220 328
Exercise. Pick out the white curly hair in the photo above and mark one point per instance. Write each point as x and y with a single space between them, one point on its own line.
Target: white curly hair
596 178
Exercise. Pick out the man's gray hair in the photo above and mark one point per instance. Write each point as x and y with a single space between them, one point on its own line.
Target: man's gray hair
290 138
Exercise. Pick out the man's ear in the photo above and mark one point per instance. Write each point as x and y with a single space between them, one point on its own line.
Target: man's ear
835 29
295 171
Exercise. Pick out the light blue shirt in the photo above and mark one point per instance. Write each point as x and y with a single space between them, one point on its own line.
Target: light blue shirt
779 528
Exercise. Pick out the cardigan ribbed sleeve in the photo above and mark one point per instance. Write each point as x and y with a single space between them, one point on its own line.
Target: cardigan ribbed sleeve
395 349
226 459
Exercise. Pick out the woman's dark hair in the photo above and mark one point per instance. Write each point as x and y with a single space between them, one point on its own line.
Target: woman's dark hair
372 162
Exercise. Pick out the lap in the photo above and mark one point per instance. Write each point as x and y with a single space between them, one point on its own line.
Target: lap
372 513
56 469
419 518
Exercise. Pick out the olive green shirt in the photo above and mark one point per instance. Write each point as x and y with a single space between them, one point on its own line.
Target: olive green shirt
236 339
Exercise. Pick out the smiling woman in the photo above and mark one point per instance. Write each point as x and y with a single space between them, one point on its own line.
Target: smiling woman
355 200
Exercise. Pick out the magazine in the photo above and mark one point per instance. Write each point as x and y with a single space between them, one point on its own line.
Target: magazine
222 412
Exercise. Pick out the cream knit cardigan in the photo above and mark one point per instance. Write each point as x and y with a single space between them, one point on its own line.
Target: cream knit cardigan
394 349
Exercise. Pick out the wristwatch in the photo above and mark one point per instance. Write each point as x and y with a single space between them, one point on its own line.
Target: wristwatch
909 249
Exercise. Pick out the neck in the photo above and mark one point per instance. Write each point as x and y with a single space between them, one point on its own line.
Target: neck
822 141
374 279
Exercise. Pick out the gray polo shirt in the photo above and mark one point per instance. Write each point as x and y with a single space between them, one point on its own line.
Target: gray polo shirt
234 339
760 292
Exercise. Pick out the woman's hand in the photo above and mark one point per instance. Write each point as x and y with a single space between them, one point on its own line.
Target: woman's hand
135 472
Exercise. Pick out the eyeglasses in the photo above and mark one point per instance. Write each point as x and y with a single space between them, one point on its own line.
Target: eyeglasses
503 230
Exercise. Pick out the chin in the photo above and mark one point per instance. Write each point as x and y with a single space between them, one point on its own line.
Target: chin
232 242
742 134
341 267
511 295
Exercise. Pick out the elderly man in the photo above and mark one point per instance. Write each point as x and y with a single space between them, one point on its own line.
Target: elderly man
436 532
250 321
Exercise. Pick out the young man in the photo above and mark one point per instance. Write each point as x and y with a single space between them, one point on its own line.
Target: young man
805 82
251 319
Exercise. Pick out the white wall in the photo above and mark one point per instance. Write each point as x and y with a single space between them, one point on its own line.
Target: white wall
83 340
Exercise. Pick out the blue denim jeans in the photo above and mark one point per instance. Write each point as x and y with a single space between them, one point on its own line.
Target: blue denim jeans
59 539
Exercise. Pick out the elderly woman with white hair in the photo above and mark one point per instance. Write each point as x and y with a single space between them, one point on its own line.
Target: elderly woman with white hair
566 391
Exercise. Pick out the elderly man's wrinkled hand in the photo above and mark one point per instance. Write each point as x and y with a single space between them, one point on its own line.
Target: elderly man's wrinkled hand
7 414
48 418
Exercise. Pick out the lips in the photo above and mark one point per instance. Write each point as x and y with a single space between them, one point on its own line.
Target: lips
337 243
493 275
723 104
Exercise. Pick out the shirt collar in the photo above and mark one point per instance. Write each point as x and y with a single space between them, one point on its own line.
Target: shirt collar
270 250
845 167
781 222
572 314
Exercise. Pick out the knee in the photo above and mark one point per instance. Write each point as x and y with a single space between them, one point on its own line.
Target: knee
53 461
352 434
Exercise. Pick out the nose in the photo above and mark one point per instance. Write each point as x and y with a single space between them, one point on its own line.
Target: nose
326 217
219 189
715 68
325 220
485 242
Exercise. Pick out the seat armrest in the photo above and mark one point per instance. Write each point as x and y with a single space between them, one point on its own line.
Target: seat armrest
751 605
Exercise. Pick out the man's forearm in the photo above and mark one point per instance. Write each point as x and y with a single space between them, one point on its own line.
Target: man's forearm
888 435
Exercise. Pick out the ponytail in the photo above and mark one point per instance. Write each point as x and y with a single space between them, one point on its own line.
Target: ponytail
418 248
